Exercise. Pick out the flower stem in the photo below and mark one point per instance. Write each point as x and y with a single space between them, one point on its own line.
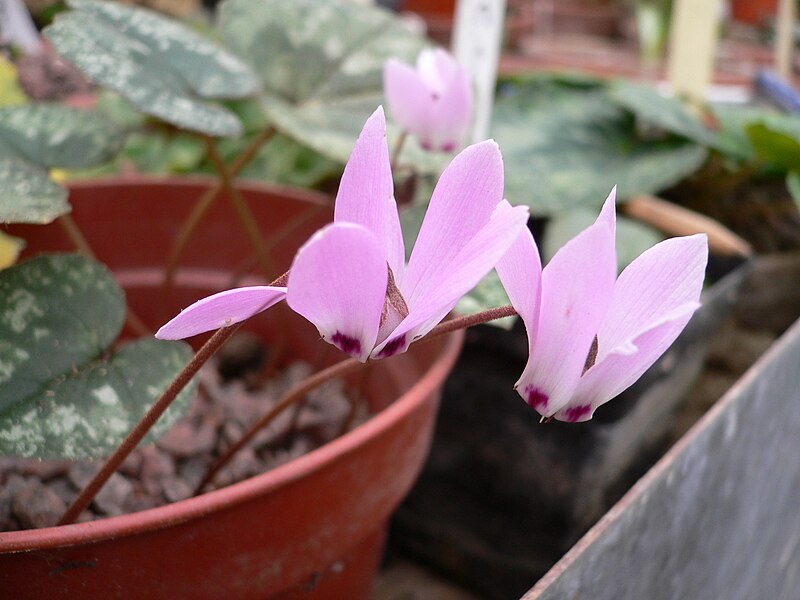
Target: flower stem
145 423
77 238
398 148
205 202
246 217
339 369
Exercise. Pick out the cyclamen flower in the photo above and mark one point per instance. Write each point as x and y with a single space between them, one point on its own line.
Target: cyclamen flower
432 102
350 279
591 335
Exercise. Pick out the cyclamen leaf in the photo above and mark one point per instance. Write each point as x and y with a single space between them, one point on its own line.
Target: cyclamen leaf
162 67
58 396
208 69
565 148
53 135
29 195
322 66
89 412
56 312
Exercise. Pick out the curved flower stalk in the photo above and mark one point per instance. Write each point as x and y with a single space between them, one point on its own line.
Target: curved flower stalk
590 334
432 102
350 279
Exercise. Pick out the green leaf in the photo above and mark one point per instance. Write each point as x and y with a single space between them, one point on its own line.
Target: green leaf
207 68
29 195
733 138
566 148
88 412
793 184
56 312
777 149
163 68
633 237
322 66
53 135
665 113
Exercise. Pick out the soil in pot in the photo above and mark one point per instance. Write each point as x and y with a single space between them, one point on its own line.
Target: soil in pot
34 493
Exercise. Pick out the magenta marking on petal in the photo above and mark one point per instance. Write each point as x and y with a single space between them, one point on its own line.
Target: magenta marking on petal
393 347
536 398
347 344
448 147
574 413
426 146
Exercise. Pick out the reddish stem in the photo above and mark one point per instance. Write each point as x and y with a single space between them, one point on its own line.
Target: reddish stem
340 369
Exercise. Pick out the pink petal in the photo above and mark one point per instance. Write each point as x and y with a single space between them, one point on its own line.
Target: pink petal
338 282
221 310
409 98
520 271
652 301
435 66
465 197
664 278
618 370
576 291
366 192
452 113
472 263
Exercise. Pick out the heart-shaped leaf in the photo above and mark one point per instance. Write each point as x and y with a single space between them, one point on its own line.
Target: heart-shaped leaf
56 312
566 147
322 66
165 69
88 412
53 135
29 195
58 395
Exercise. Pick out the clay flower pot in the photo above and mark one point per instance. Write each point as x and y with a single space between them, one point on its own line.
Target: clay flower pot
311 528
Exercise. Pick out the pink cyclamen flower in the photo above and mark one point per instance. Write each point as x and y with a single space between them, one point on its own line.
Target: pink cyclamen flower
432 102
350 279
590 334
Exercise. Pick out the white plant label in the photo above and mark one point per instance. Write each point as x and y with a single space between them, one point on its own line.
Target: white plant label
476 45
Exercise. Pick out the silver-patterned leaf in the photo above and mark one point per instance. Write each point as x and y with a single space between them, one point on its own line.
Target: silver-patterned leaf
56 312
88 411
322 67
28 194
156 64
566 148
54 135
207 68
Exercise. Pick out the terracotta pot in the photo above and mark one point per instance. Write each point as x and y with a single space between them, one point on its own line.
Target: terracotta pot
311 528
755 12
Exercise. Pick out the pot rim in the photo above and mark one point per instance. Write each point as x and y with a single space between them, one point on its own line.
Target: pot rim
194 508
255 185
